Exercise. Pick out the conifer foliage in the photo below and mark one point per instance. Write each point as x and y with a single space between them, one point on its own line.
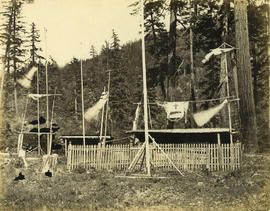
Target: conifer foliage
170 72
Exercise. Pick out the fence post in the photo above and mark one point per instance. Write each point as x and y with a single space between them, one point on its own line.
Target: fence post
69 161
208 157
220 154
232 156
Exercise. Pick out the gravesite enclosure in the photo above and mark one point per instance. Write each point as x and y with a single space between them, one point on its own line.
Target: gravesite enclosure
134 105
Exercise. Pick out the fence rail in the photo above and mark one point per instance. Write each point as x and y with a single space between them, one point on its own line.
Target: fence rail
185 156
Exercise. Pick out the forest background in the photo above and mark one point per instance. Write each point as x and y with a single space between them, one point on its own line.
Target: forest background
175 71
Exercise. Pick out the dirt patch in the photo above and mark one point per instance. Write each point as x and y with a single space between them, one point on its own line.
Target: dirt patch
244 189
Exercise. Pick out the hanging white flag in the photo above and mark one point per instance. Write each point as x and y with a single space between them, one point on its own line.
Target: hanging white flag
92 113
216 51
202 117
25 81
35 96
175 110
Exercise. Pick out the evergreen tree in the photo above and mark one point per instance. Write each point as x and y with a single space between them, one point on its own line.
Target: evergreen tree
257 25
14 40
105 53
34 40
6 29
93 52
119 92
156 38
247 106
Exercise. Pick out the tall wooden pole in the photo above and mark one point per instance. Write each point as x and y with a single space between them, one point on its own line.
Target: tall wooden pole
224 36
51 123
228 94
107 107
83 125
146 137
38 111
101 123
47 92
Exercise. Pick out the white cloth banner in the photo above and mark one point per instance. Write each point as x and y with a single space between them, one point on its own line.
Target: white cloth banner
216 51
27 78
35 96
202 117
175 110
92 113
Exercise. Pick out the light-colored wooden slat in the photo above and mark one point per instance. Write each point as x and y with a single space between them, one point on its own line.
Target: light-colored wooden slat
233 156
196 148
228 156
72 157
105 157
225 157
240 154
75 158
216 157
212 157
190 157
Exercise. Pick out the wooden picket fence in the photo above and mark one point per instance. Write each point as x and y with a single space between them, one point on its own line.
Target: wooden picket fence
185 156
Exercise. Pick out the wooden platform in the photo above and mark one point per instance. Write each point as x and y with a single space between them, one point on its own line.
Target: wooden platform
78 140
188 135
186 130
80 136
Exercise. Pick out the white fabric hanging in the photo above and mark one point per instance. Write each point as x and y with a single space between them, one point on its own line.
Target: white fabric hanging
175 110
26 80
92 113
35 96
202 117
216 51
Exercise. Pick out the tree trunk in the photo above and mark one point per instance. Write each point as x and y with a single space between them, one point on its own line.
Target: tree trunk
14 64
268 31
192 71
7 51
223 112
254 54
171 58
154 34
76 104
247 106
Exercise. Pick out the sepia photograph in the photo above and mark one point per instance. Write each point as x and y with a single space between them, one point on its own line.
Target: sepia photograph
134 105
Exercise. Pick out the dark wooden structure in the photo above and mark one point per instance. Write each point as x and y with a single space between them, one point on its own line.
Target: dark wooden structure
78 140
189 135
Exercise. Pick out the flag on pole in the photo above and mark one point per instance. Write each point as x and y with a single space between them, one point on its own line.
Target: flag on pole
202 117
35 96
175 110
216 51
25 81
92 113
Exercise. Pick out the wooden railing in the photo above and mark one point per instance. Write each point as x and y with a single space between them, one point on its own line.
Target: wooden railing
185 156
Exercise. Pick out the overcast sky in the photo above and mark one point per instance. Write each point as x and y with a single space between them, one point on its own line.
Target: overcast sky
90 22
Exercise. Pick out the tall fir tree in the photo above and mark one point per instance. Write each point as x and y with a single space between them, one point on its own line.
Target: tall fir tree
13 37
119 92
247 106
34 40
93 52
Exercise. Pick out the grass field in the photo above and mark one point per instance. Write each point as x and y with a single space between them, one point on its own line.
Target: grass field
244 189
